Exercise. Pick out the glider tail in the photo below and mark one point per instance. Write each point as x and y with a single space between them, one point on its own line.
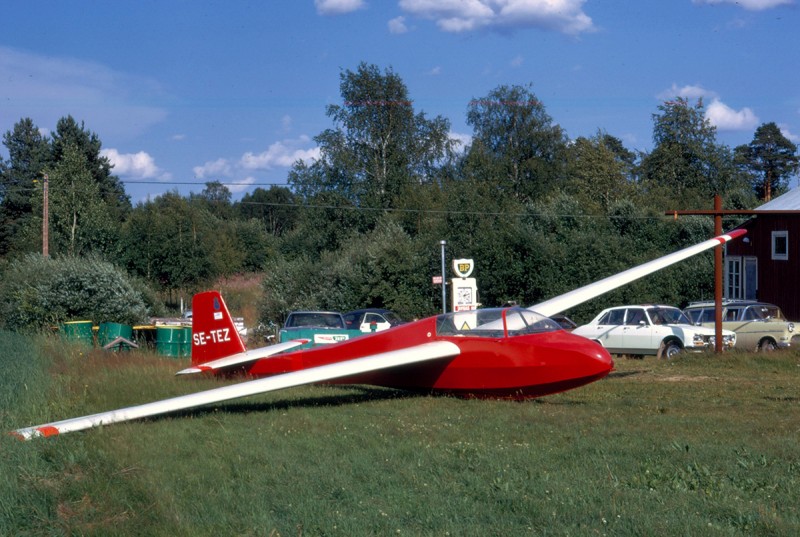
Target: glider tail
214 334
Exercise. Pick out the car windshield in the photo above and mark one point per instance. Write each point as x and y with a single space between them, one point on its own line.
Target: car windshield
316 320
493 322
768 311
392 318
661 315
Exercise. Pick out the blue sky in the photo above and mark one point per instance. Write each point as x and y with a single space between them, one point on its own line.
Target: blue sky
193 91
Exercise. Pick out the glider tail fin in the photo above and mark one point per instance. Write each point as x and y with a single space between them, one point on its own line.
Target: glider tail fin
214 334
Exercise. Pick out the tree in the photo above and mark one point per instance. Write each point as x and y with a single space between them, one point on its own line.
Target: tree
378 144
770 159
29 154
111 191
598 171
515 143
687 166
216 199
165 241
79 220
275 208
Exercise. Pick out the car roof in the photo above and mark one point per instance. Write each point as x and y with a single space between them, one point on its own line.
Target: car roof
367 310
643 306
734 302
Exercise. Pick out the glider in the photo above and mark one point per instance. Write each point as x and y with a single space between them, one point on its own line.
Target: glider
513 353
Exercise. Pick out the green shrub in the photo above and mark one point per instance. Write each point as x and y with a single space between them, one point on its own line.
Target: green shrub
36 292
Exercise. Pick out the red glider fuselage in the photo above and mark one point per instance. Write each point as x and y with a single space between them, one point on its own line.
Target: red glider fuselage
517 366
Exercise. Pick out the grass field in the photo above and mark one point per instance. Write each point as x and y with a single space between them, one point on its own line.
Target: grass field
702 445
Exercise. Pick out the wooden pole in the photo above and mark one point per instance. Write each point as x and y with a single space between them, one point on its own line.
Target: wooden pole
717 275
45 219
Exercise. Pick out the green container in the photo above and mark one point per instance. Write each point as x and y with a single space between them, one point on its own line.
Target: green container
78 331
170 340
110 331
186 346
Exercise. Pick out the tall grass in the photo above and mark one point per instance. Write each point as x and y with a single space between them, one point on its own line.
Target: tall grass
702 445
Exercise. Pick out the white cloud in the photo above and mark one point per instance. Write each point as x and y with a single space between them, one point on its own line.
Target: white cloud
726 118
462 140
436 71
213 168
397 25
337 7
280 154
517 61
717 113
136 165
241 185
794 138
47 88
687 92
750 5
564 16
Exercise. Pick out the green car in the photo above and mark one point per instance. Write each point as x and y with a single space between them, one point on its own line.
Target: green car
759 326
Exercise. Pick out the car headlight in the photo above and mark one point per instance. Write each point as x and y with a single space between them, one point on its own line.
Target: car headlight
698 340
791 327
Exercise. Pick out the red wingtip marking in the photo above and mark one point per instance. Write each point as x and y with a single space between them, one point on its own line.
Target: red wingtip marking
48 431
730 236
203 368
737 233
16 435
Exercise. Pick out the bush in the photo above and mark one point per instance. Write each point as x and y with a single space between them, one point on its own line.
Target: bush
37 292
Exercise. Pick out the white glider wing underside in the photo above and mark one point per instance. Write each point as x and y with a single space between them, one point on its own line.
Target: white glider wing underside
593 290
426 352
242 358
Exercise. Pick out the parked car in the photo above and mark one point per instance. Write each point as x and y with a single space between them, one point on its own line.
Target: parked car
365 318
759 326
564 322
318 327
315 319
658 330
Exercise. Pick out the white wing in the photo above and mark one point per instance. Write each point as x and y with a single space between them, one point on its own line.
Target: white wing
428 351
588 292
243 357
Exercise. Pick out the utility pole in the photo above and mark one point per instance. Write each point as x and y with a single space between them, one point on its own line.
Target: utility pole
45 219
718 213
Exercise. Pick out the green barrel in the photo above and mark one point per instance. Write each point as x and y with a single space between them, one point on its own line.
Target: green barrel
78 331
186 346
169 340
108 332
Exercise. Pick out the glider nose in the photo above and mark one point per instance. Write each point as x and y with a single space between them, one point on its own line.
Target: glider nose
599 357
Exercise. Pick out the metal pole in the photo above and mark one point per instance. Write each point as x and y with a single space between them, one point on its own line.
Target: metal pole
444 281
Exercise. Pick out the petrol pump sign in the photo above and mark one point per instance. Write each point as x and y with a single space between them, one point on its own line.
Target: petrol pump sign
465 289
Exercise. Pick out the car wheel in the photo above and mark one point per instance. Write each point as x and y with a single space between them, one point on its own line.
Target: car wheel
766 345
669 349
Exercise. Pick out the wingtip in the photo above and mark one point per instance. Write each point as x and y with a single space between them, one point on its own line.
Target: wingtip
18 435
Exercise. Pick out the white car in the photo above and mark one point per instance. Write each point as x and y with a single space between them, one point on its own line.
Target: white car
663 331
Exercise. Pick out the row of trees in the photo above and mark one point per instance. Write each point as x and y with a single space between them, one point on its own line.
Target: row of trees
360 226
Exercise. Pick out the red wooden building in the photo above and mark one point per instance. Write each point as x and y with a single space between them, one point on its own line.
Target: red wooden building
765 265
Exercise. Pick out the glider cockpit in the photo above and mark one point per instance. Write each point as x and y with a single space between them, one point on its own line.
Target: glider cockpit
494 323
